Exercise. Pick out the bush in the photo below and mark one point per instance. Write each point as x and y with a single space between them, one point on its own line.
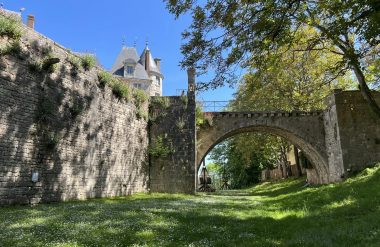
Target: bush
35 67
120 90
105 78
180 123
74 61
163 102
141 114
10 27
161 147
139 97
13 48
88 61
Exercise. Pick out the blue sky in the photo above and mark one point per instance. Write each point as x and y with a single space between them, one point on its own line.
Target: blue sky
99 27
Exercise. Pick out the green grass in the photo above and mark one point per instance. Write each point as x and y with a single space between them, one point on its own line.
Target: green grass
271 214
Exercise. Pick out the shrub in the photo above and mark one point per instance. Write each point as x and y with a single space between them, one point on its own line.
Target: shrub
202 119
74 61
184 101
139 97
35 67
10 27
105 78
141 114
120 89
163 102
160 147
13 48
88 61
180 123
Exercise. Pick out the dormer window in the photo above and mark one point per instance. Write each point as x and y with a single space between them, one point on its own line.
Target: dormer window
130 70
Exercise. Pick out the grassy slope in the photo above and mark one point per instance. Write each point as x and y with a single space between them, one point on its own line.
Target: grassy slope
278 214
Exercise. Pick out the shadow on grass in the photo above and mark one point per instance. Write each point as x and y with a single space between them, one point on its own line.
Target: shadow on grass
344 214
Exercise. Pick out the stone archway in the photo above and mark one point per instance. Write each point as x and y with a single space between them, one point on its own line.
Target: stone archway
305 130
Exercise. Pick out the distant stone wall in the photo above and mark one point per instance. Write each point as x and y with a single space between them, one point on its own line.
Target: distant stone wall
80 139
356 130
174 124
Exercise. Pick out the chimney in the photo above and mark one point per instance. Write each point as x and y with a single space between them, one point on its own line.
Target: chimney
158 63
30 22
147 60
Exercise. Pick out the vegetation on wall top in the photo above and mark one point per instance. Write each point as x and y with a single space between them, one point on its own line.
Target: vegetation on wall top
10 27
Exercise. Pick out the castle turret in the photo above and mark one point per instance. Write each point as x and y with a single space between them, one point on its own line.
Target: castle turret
142 72
153 68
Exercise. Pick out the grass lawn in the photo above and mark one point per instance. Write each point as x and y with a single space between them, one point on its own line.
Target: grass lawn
270 214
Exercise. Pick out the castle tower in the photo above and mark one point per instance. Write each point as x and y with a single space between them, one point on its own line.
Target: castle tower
139 72
153 68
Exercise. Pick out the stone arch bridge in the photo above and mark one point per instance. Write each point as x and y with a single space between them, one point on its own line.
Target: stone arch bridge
304 129
343 138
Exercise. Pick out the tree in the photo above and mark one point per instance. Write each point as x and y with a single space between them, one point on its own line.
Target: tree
288 79
291 78
228 33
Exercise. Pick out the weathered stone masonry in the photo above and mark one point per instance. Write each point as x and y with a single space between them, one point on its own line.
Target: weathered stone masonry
81 140
341 140
175 124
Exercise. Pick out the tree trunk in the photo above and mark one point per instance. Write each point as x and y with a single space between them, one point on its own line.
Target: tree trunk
364 89
296 157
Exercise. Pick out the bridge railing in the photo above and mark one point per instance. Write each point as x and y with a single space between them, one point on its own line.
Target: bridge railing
225 108
214 106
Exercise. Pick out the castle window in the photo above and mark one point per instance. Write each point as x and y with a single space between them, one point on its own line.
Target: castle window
137 85
130 70
158 80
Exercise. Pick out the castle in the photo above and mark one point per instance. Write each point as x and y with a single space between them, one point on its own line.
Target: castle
142 72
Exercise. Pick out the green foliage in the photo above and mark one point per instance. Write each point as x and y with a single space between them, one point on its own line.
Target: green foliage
160 147
119 88
291 79
227 34
201 119
163 102
270 214
244 156
142 114
157 108
139 97
10 27
105 78
180 123
76 64
35 67
185 101
88 61
14 48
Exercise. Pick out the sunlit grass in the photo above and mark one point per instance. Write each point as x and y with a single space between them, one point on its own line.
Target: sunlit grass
271 214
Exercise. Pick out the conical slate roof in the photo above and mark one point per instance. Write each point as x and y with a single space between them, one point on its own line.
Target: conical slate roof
129 54
152 63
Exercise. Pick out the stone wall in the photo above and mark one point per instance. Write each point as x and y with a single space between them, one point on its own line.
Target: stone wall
174 123
357 130
79 138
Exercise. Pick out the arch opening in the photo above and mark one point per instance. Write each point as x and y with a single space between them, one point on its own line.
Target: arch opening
209 139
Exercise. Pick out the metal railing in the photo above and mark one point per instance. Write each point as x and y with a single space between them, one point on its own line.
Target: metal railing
214 106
